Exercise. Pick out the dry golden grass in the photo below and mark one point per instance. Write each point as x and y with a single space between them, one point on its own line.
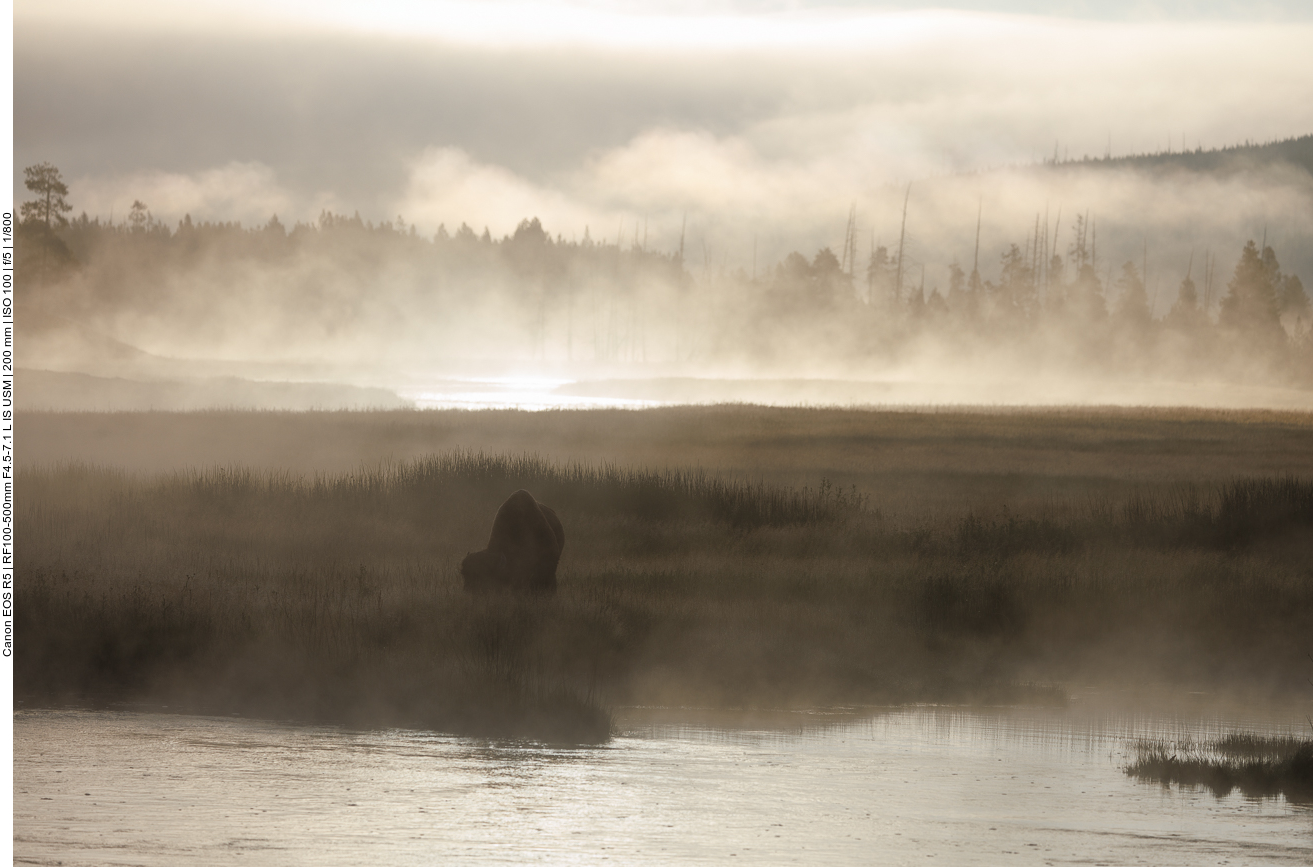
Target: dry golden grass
913 463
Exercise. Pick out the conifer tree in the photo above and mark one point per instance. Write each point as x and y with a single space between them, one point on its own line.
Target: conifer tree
50 205
1185 313
1133 299
1250 305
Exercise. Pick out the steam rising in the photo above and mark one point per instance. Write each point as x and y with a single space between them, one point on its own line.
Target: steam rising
673 162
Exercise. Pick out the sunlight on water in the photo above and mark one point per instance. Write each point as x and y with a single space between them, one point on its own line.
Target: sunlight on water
543 392
988 787
512 392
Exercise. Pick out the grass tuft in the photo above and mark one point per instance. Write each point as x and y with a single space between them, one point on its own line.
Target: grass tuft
1257 766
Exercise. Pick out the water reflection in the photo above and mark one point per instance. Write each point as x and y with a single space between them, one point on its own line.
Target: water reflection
892 785
513 392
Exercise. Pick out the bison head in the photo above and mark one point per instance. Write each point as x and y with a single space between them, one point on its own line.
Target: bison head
485 571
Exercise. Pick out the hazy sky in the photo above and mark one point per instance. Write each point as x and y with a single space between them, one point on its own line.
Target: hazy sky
772 116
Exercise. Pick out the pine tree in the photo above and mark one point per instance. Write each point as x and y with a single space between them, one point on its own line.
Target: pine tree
1133 299
1185 313
50 205
1250 305
40 249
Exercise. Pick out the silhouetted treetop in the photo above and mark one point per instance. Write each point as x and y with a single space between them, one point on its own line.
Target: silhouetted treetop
50 205
1251 300
530 232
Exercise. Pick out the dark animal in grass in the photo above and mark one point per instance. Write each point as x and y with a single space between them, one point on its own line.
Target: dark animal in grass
522 551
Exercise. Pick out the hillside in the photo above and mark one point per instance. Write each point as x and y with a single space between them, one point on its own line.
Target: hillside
1293 151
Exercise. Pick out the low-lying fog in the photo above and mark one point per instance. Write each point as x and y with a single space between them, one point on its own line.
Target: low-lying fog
621 205
1073 308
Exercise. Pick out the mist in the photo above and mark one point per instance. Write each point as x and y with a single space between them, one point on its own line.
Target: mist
673 161
1061 282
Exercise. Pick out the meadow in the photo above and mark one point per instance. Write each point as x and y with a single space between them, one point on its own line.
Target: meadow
305 565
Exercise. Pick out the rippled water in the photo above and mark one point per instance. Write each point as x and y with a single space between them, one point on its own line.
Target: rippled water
907 786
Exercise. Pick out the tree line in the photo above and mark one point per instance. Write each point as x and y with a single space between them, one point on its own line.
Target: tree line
585 300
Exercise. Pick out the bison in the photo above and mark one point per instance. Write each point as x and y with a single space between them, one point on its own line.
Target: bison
522 551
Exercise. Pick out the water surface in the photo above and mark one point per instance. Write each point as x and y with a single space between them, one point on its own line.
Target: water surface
904 786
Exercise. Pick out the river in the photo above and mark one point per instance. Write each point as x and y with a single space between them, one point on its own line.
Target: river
917 785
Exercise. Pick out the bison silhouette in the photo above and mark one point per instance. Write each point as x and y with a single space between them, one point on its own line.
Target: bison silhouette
522 551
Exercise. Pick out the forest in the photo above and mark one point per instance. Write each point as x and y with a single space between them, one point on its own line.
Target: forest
347 287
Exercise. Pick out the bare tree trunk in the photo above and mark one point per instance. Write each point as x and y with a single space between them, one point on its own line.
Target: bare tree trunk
902 237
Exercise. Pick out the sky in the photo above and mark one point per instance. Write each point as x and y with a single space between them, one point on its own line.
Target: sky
751 124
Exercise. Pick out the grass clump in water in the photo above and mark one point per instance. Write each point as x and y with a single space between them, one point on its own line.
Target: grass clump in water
1256 766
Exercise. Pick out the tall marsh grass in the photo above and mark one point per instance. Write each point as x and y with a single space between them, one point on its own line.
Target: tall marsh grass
337 596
